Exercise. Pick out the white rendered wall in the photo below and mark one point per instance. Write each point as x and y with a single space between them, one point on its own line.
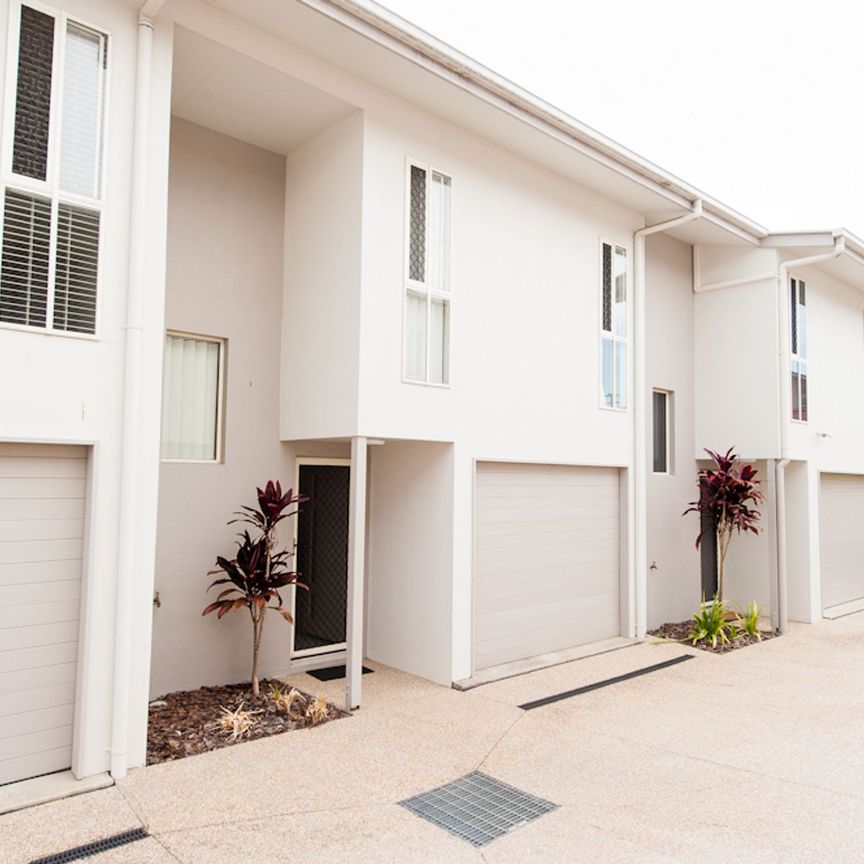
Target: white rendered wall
226 208
831 439
408 595
68 389
835 335
321 312
673 574
737 399
748 564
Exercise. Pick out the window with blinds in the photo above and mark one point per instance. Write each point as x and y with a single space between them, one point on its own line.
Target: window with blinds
427 278
192 398
52 179
613 326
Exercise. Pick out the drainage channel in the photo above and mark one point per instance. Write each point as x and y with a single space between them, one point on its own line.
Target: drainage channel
104 845
597 685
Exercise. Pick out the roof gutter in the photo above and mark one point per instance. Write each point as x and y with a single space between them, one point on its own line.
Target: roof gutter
784 371
414 44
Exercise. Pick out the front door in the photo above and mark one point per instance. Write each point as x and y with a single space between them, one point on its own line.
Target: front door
322 559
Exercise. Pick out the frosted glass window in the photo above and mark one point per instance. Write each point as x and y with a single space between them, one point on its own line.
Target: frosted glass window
191 398
619 314
415 338
81 127
439 338
427 284
607 372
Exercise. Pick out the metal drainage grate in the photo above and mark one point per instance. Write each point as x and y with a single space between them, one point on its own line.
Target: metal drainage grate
94 848
478 808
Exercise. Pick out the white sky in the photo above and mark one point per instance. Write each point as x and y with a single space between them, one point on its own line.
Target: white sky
752 101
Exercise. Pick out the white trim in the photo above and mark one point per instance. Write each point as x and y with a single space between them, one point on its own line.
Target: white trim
335 647
220 399
423 290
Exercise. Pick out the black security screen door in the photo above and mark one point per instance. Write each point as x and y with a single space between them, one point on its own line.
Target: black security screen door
322 558
708 556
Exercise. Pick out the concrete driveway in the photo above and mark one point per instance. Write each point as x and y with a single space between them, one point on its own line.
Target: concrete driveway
755 756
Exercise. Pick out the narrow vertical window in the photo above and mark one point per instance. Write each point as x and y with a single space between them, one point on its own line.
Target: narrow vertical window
427 283
52 179
192 398
614 325
662 437
798 340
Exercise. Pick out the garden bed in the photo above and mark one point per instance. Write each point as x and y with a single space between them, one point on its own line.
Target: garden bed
197 721
680 632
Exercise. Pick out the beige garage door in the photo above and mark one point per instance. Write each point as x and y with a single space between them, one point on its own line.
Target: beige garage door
842 529
546 561
41 529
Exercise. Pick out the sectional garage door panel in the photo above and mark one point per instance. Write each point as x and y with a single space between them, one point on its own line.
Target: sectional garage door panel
546 563
842 530
42 491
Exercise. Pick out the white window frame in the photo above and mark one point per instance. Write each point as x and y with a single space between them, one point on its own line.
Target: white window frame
220 400
606 334
794 357
423 290
50 186
669 396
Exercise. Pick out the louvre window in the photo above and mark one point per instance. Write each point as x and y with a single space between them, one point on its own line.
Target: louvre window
52 186
613 328
191 398
427 291
798 336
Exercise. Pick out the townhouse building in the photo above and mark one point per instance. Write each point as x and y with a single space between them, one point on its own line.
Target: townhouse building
306 241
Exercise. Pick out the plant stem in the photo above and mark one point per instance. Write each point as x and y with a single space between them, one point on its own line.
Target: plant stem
257 625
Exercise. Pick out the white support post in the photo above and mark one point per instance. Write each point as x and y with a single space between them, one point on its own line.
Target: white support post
356 573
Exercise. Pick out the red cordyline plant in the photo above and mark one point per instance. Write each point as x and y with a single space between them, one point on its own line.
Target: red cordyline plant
258 571
729 495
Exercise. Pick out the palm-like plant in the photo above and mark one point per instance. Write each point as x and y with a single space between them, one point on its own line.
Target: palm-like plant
258 571
729 495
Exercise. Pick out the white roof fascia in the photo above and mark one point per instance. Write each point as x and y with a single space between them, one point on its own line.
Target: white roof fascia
396 34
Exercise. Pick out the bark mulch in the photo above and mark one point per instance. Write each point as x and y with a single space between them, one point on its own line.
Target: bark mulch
680 632
188 722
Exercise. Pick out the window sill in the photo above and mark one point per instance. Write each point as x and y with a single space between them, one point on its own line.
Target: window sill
191 461
431 384
44 331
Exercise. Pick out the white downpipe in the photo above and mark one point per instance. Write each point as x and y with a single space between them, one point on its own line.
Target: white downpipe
126 555
639 486
784 371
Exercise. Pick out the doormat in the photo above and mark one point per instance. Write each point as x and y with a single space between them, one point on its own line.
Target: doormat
331 673
103 845
548 700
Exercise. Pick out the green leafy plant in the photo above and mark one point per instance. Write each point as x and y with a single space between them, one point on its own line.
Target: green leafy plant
258 571
748 621
711 624
729 496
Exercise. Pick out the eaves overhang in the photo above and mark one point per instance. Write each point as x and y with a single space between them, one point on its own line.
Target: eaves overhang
389 30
